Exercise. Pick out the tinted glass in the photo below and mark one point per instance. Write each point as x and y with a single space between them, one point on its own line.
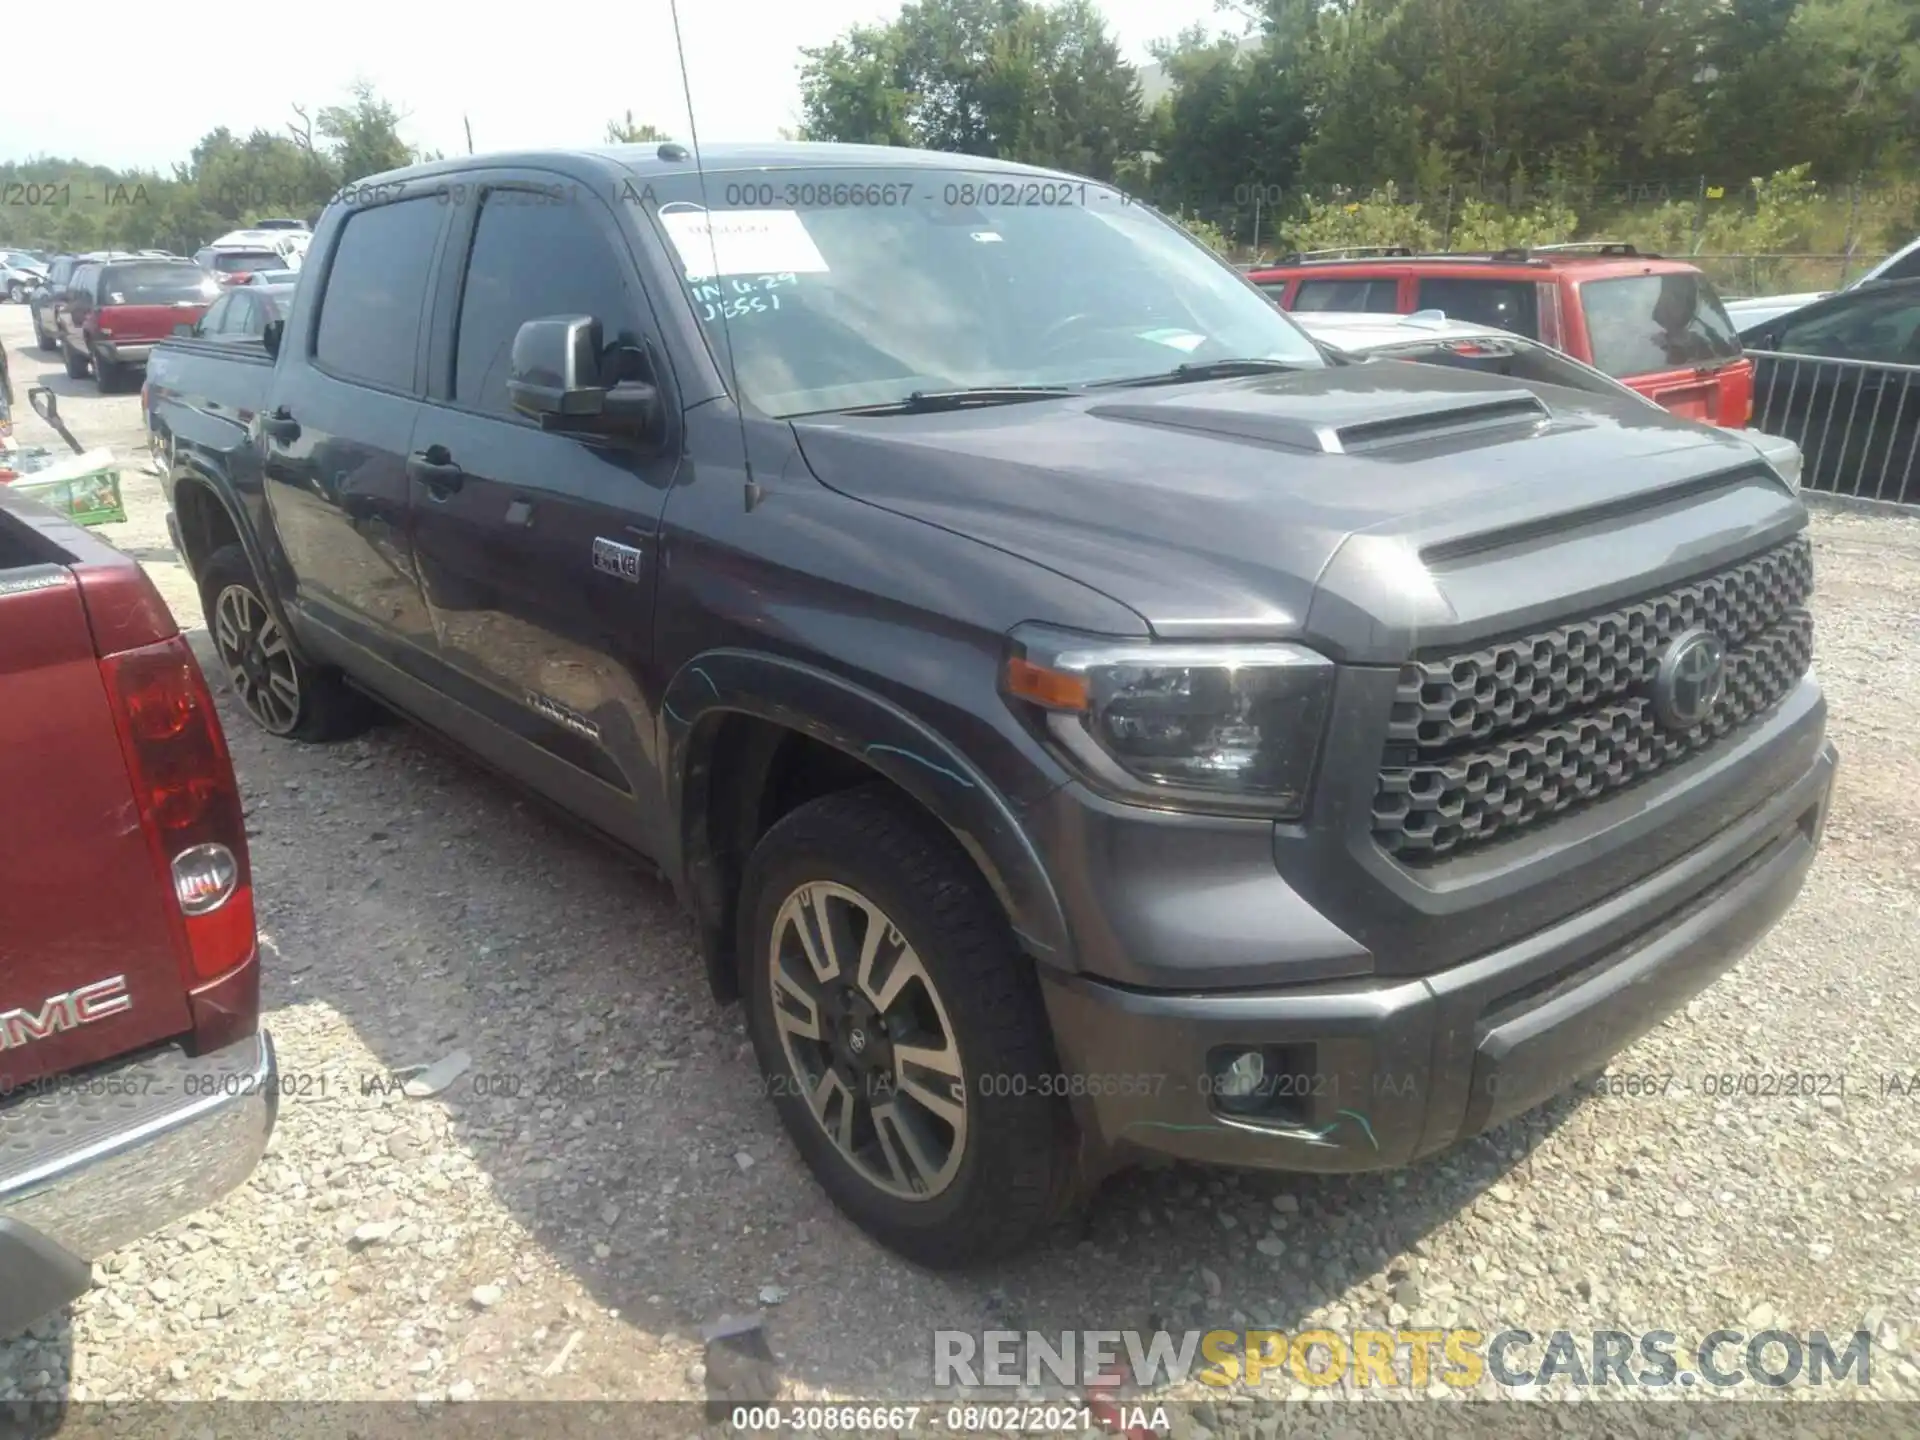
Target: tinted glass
1884 329
214 322
857 286
1505 304
236 262
370 310
529 261
59 272
157 283
1642 324
1380 297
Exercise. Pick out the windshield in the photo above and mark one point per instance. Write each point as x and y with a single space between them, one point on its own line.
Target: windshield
1642 324
849 287
160 283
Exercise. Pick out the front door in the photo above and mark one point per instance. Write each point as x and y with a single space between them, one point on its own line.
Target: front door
536 550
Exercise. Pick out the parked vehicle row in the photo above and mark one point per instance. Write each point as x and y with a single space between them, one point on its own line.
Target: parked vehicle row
1757 311
1653 323
1087 719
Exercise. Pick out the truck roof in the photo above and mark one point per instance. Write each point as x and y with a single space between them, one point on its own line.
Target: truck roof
672 158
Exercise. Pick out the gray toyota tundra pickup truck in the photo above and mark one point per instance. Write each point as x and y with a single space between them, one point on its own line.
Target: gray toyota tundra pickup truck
1085 719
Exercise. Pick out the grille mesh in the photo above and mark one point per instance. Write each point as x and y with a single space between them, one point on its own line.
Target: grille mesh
1483 743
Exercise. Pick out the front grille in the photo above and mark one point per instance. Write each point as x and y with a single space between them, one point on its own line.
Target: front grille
1484 743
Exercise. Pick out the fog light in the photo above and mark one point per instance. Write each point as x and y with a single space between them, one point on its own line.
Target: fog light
204 876
1242 1076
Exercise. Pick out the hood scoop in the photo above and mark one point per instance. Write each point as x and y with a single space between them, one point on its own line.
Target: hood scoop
1388 421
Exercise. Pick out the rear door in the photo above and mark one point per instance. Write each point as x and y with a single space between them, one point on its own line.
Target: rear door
537 552
1667 335
340 424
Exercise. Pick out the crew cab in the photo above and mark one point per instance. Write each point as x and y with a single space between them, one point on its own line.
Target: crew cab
1086 721
1654 323
115 312
136 1085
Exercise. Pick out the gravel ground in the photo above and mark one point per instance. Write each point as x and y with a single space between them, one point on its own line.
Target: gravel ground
603 1180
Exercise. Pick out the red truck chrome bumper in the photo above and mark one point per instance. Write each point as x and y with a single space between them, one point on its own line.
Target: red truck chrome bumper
94 1160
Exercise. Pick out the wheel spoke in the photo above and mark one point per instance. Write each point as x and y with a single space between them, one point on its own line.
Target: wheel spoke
789 992
886 1125
938 1100
902 972
272 642
832 1085
283 686
926 1170
815 928
228 634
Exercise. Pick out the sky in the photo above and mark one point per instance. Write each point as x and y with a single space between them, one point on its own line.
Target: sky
522 78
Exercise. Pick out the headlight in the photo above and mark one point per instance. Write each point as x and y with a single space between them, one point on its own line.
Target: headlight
1226 726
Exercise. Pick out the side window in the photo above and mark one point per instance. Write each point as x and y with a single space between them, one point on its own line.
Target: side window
1879 329
1276 291
530 261
239 316
1378 296
375 290
1506 304
215 320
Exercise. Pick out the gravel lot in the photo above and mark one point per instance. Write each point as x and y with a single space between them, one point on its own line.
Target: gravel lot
567 1240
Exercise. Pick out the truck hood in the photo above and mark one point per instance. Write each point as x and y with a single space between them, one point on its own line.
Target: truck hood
1227 508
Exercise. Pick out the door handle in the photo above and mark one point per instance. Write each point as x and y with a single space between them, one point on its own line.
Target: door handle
281 426
434 468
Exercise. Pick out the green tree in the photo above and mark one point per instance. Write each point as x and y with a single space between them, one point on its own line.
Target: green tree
364 136
625 132
1007 78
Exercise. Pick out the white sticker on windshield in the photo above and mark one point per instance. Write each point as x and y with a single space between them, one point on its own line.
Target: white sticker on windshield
741 242
1183 340
116 298
987 237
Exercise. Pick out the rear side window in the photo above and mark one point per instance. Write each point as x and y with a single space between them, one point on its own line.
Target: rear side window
1378 297
237 262
159 283
1504 304
375 290
531 261
1643 324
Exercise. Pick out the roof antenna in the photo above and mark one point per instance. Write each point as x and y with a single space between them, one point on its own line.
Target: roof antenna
754 491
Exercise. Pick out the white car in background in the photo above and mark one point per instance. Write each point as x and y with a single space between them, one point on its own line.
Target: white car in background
1428 337
19 273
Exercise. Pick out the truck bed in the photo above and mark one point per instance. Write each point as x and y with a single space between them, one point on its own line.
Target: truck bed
200 390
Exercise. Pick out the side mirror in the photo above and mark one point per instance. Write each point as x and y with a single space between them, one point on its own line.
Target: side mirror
556 377
185 330
270 337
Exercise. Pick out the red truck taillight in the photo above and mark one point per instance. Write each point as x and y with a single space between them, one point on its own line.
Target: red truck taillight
189 803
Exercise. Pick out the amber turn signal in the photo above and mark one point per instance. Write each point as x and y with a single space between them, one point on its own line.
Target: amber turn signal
1054 689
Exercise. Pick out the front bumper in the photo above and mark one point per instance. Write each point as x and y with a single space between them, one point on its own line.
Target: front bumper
90 1162
1372 1073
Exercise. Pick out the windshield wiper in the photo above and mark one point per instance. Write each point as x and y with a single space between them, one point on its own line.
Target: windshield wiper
1204 370
926 402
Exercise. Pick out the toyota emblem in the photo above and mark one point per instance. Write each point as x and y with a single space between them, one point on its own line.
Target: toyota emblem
1690 679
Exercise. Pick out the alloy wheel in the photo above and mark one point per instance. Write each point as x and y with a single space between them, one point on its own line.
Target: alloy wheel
867 1040
257 659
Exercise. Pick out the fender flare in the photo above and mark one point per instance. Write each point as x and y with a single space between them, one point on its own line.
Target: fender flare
187 471
856 721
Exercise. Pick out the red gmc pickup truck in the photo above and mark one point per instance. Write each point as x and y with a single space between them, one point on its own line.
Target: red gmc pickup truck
136 1085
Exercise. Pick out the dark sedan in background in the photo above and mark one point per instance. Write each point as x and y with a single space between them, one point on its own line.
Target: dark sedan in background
1845 387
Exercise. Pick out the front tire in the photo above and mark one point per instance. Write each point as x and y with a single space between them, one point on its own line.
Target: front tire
281 693
900 1031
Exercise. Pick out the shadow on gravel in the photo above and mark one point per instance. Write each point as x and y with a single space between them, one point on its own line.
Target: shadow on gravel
616 1111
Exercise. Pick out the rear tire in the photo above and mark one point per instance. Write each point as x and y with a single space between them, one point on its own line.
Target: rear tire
281 693
41 340
944 1184
106 377
76 364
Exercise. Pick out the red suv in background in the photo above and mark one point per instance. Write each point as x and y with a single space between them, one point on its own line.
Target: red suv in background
1652 323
